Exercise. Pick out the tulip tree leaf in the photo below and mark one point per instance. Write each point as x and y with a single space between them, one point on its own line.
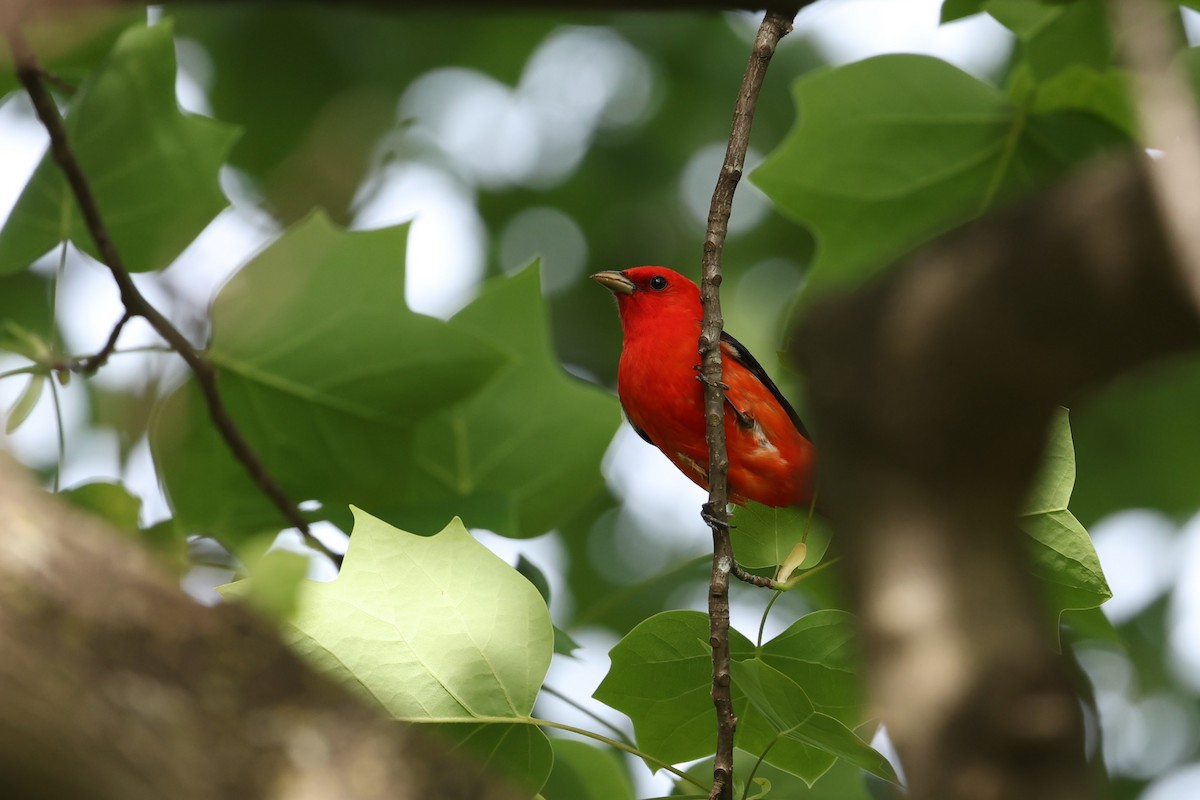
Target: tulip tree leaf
1061 553
326 373
906 147
152 168
521 455
427 627
661 677
785 706
434 629
519 754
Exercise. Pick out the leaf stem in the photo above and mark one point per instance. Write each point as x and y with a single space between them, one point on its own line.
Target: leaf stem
575 704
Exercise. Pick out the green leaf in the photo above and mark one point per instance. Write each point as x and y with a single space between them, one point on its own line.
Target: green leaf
1054 37
520 754
820 652
1063 559
110 501
1061 553
958 9
1081 88
277 575
764 536
661 676
843 781
1138 442
326 374
428 627
25 316
906 147
1052 487
523 454
583 772
152 168
26 401
69 46
790 713
564 645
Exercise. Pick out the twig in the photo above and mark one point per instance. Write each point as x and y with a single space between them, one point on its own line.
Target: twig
30 76
89 364
774 26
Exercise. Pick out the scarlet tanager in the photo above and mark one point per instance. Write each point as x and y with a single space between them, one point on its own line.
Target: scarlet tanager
771 459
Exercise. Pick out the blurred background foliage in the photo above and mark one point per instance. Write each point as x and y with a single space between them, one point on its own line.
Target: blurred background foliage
591 141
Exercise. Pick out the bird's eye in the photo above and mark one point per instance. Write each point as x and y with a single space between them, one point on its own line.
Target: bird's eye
658 282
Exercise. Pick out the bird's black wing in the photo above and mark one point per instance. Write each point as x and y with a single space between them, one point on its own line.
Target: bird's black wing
637 430
743 357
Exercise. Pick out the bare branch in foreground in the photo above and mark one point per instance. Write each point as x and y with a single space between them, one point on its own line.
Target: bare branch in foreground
775 25
932 389
30 75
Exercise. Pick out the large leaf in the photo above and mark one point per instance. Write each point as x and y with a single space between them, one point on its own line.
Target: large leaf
905 147
326 373
583 772
1061 553
519 753
435 629
524 453
1055 36
661 677
786 707
819 652
152 168
429 628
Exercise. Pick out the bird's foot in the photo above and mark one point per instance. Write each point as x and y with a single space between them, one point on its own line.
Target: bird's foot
709 514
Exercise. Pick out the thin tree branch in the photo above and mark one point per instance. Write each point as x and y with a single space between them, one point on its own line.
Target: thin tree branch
90 364
30 76
774 26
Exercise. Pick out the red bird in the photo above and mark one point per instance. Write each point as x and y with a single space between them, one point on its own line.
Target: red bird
771 459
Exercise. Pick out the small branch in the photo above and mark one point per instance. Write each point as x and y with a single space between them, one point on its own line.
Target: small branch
741 574
774 26
90 364
30 76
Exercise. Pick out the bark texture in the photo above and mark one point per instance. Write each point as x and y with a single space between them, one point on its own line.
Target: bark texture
931 390
116 685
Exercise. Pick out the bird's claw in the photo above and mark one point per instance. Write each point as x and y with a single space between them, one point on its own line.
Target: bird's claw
724 387
709 515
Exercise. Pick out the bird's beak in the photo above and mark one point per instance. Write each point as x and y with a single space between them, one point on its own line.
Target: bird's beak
614 281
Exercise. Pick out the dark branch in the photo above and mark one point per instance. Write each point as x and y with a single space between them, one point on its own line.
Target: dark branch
30 76
90 364
775 26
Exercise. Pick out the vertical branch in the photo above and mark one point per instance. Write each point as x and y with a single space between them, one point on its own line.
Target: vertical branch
29 73
1169 118
774 26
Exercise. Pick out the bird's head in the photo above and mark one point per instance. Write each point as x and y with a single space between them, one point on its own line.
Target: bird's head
645 293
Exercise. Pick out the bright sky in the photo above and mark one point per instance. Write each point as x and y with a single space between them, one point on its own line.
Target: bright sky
546 127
